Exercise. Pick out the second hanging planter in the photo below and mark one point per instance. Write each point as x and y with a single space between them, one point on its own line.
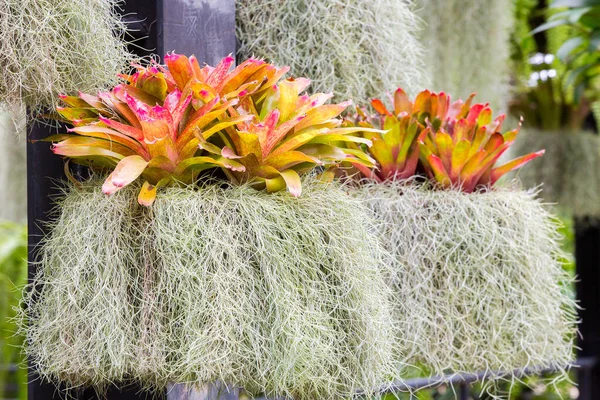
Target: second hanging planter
476 273
478 283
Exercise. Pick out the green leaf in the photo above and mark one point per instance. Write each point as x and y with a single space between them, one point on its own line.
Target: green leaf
591 19
576 14
567 48
549 25
574 3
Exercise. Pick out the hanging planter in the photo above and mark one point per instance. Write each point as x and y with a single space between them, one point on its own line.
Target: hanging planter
82 327
234 264
54 47
293 302
568 172
467 47
477 279
356 49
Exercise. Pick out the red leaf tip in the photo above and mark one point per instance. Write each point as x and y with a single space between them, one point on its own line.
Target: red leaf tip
171 56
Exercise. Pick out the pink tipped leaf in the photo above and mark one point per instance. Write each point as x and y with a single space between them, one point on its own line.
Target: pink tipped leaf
126 171
498 172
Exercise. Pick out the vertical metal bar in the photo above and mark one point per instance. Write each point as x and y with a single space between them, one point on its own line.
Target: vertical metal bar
463 391
587 256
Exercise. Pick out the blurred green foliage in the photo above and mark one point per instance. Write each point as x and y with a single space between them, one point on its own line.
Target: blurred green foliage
13 276
580 50
544 91
523 45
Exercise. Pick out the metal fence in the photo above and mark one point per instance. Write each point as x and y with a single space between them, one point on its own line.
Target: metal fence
459 384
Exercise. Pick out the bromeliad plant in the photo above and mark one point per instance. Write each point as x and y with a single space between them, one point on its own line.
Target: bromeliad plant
167 124
146 127
396 151
287 133
445 243
455 144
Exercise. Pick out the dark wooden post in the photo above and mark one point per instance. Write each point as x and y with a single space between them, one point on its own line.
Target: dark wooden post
204 28
587 255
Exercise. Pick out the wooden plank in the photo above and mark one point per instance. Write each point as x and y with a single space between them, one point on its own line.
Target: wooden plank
205 28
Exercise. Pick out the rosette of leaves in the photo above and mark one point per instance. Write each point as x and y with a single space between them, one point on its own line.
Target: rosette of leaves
167 124
455 144
476 265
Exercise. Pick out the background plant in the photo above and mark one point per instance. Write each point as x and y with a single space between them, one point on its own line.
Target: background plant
547 92
51 47
557 108
467 47
581 52
355 48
